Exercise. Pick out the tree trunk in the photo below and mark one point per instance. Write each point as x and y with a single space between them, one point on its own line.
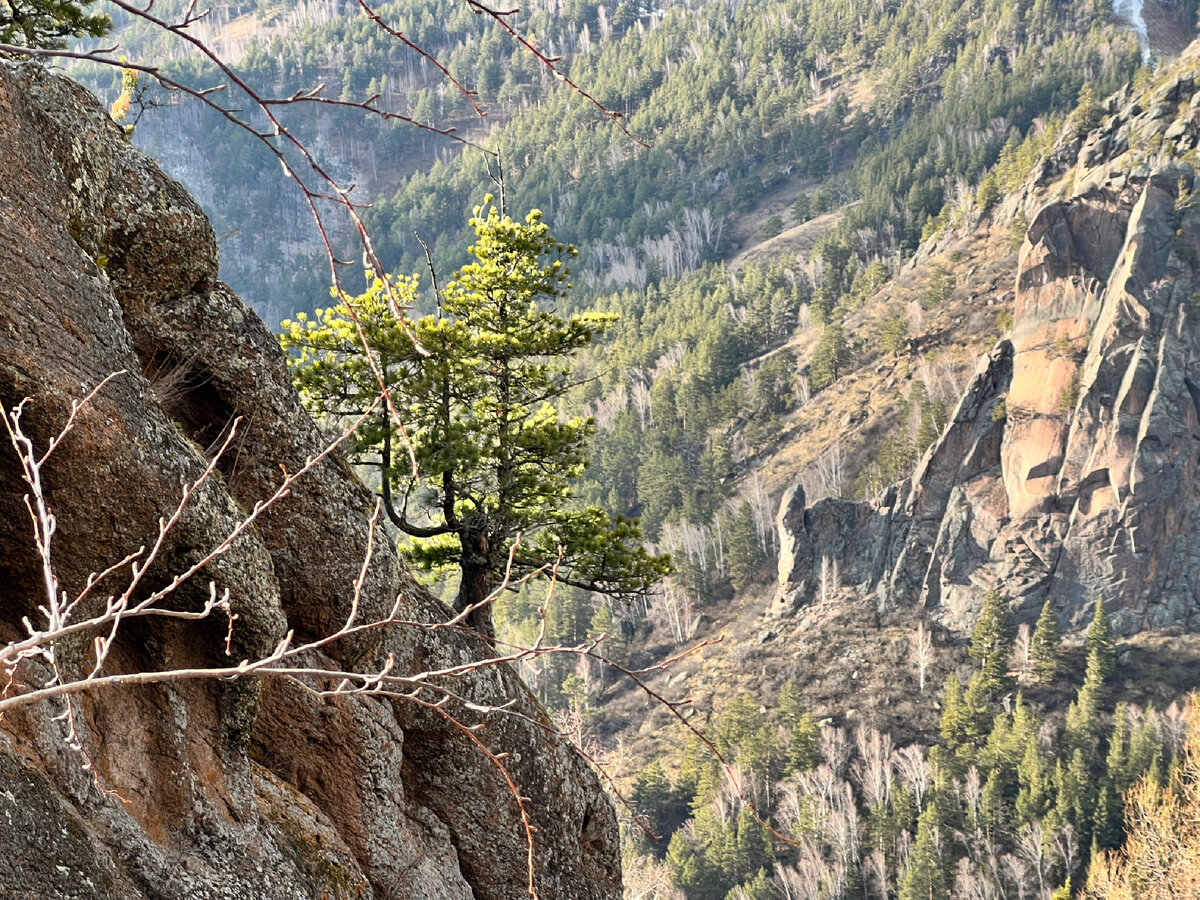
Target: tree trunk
478 582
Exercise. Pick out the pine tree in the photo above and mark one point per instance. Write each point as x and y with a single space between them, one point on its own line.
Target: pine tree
1088 113
830 357
926 878
49 23
615 644
760 887
748 562
1145 753
894 334
1100 641
1106 825
975 718
1083 715
939 288
991 806
1046 647
1075 797
992 642
483 443
1034 795
664 806
931 417
951 725
802 731
1161 854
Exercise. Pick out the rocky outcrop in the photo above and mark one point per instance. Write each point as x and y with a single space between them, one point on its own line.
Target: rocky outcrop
230 790
1071 467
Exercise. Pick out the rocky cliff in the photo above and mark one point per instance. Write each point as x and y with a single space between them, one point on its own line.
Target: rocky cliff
1069 469
226 789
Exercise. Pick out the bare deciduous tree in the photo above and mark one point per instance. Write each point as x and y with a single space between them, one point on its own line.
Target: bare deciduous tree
872 770
914 770
922 653
831 578
1022 649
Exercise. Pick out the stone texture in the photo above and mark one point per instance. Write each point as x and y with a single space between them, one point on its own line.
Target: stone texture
1071 467
226 790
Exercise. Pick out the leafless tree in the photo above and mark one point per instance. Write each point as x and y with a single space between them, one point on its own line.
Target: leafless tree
872 770
831 471
1017 870
804 317
875 875
672 604
922 653
835 749
606 409
831 578
801 391
646 878
914 771
760 504
971 791
640 394
1022 649
670 360
1173 722
972 884
1032 848
717 534
1066 848
804 882
820 785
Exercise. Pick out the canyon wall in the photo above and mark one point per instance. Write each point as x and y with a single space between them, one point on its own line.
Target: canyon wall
1069 469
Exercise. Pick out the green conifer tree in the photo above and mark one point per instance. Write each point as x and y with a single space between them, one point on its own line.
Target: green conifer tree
894 334
1045 649
830 357
1145 754
951 725
976 721
748 562
1083 715
991 806
803 734
485 455
1033 798
49 23
1100 641
1088 113
926 878
992 642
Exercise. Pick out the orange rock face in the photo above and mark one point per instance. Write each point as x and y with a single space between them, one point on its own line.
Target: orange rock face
1071 467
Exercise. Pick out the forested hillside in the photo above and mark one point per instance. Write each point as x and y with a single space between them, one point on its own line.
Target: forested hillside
753 116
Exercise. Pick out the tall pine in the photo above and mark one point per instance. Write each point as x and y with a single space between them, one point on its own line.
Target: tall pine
1100 641
1045 649
926 878
992 642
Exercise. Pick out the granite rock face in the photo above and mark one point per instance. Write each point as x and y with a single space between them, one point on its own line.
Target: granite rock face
1071 467
226 790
